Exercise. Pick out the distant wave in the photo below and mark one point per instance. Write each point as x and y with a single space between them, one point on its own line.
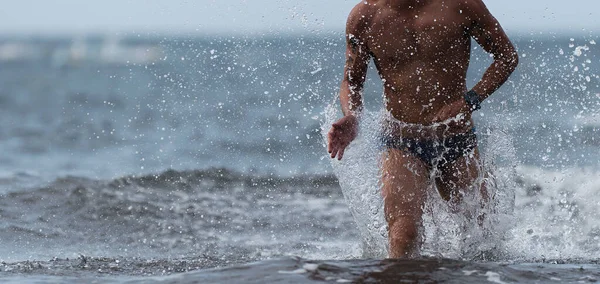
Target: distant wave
132 197
218 178
74 52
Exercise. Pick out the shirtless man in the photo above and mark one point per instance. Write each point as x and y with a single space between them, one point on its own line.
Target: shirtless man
421 49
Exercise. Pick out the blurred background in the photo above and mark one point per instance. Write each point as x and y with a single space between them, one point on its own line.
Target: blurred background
112 88
193 128
212 16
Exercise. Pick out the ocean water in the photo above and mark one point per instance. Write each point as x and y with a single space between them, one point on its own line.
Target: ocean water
140 159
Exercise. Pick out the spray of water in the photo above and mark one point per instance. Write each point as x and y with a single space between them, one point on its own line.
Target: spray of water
358 174
447 231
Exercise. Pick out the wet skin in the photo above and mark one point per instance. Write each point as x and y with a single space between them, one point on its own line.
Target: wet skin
421 49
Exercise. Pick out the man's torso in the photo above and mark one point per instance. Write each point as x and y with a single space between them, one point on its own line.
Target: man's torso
422 55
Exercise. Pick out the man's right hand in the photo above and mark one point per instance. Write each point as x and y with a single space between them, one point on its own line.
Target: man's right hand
341 134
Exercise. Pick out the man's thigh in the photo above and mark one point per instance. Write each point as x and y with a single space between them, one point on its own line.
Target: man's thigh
458 176
404 180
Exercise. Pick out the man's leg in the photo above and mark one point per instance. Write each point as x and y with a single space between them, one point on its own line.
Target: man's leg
461 175
404 183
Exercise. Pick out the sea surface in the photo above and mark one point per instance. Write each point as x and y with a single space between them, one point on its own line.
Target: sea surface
201 159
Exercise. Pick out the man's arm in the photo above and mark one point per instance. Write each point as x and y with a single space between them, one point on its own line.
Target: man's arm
345 130
357 60
486 30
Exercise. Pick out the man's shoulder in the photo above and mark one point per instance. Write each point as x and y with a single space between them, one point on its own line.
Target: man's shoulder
470 3
364 6
361 10
361 15
472 6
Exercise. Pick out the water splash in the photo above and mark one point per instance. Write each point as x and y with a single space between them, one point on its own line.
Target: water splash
358 174
444 232
477 229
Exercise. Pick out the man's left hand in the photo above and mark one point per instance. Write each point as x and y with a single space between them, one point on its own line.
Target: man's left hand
458 112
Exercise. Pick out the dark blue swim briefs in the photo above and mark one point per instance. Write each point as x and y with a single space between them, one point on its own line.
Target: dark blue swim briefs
434 152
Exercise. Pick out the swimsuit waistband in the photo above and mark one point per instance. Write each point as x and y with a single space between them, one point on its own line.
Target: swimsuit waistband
390 126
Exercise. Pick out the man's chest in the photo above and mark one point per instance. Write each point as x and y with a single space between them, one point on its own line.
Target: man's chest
403 36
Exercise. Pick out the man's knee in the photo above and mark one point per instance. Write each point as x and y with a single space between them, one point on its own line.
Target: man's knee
404 228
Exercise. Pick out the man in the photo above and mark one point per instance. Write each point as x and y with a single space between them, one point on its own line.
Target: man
421 49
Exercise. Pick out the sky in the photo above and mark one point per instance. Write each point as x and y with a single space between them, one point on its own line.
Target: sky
242 16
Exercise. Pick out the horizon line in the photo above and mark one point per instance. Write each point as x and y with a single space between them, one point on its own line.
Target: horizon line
256 32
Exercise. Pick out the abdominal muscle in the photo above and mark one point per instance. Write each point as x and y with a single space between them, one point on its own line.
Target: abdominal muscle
414 114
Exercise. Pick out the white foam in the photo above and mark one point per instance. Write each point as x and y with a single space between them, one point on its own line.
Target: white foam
494 277
310 266
297 271
557 214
